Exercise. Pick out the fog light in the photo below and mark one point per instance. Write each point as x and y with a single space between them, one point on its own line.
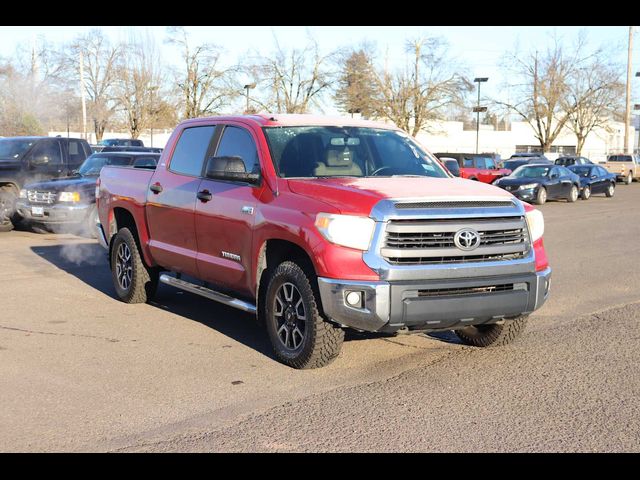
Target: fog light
354 299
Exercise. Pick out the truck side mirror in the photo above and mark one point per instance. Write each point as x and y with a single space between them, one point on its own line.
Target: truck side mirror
231 169
40 160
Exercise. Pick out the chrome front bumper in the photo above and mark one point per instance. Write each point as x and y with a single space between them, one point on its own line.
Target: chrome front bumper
421 305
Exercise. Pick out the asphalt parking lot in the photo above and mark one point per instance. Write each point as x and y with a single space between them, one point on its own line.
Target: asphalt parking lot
81 371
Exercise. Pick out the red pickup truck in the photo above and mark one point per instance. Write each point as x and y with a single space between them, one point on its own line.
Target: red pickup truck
318 224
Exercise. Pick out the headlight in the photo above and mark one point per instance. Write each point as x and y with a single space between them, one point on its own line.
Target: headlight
535 221
23 193
528 186
69 197
346 230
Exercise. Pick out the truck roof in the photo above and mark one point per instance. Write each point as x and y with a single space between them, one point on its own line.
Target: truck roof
295 120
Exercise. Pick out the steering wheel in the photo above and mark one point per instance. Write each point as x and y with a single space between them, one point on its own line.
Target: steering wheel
381 169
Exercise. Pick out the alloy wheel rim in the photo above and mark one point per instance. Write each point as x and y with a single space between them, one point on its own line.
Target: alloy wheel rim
290 315
124 266
587 192
543 196
611 189
574 193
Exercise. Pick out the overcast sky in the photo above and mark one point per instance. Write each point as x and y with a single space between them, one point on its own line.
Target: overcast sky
480 49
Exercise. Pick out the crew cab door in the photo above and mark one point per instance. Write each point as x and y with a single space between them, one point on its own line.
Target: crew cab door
225 216
45 161
171 201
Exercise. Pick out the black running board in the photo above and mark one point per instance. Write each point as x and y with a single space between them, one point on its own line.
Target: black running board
208 293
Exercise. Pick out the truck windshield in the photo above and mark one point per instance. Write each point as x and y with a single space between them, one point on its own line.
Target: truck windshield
328 151
94 163
531 172
12 148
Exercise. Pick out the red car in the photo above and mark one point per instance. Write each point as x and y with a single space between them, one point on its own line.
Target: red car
316 225
477 166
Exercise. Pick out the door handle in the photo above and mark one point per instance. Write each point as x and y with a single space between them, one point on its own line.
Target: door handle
156 188
204 196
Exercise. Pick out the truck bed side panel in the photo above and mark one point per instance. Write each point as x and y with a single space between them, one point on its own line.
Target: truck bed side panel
126 188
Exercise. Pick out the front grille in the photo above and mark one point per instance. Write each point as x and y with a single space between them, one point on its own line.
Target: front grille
35 196
455 204
423 242
488 289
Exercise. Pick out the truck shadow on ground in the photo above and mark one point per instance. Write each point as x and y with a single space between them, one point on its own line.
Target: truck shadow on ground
88 262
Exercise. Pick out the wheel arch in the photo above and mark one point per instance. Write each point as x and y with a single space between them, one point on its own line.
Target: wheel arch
272 253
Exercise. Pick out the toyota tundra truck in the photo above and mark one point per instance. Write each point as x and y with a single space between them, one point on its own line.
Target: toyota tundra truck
319 224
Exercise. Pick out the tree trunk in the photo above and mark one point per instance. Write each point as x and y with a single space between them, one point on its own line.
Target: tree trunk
581 140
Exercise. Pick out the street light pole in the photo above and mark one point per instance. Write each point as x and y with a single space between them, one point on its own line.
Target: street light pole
479 109
247 88
153 112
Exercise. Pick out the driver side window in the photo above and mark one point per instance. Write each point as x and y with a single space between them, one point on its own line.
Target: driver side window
47 153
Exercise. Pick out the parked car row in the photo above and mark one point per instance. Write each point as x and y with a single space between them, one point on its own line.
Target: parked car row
533 178
45 181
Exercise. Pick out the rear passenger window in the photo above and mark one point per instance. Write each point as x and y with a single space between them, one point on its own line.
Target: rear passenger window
76 153
188 157
238 142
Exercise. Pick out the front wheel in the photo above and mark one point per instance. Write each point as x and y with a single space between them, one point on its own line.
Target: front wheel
586 193
8 199
611 189
573 194
300 336
133 280
541 197
493 335
629 179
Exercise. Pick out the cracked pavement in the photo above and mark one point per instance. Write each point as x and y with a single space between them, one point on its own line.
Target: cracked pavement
80 371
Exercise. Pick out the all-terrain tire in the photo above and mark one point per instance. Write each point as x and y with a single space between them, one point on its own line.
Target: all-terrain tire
493 335
322 340
141 283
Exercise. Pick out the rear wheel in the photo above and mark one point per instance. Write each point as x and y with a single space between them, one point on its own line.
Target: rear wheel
586 193
573 194
493 335
133 280
629 179
611 189
300 336
541 197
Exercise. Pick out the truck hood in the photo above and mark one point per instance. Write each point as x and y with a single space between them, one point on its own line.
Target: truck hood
70 184
359 195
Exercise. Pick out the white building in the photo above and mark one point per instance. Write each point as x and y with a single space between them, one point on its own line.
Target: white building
451 137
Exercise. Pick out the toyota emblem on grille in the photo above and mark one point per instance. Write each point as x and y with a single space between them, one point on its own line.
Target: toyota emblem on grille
467 239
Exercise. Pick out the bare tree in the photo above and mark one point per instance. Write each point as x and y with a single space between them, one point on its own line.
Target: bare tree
205 86
100 72
418 94
139 80
595 92
356 90
295 79
544 88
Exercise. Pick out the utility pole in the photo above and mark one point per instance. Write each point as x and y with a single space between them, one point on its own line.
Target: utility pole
627 111
247 88
478 108
82 94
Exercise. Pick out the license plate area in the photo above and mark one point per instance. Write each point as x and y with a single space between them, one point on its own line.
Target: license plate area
37 211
